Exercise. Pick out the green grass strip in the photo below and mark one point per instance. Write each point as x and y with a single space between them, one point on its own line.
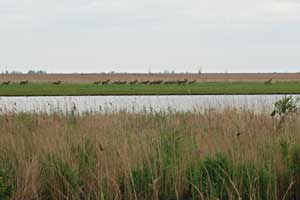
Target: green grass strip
78 89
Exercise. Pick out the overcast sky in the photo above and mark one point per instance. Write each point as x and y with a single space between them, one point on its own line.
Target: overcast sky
150 35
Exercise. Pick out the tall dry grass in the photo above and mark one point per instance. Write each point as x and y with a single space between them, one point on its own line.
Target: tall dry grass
215 155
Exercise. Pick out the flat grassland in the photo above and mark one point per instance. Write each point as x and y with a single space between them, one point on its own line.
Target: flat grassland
205 77
83 84
65 89
215 155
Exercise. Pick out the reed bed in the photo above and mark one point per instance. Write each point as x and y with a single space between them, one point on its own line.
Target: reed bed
213 155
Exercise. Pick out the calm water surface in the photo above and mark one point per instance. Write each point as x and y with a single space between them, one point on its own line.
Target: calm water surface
258 103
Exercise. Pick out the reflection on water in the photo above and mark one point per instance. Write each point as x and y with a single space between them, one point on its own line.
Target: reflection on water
258 103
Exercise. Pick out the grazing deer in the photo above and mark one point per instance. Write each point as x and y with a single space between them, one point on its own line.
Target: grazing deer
123 82
133 82
170 82
192 82
57 82
268 82
156 82
6 83
182 82
97 82
145 82
105 82
117 82
24 82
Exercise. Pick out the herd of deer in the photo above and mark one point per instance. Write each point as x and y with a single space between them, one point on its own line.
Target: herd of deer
155 82
9 82
26 82
147 82
106 82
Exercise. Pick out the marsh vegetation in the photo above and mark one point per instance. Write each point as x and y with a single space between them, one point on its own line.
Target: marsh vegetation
227 154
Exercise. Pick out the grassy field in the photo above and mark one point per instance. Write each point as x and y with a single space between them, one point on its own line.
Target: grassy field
204 77
47 89
149 156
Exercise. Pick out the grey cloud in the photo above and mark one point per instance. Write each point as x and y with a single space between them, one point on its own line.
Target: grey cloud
133 33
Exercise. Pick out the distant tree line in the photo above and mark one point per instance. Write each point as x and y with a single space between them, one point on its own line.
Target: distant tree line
36 72
29 72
